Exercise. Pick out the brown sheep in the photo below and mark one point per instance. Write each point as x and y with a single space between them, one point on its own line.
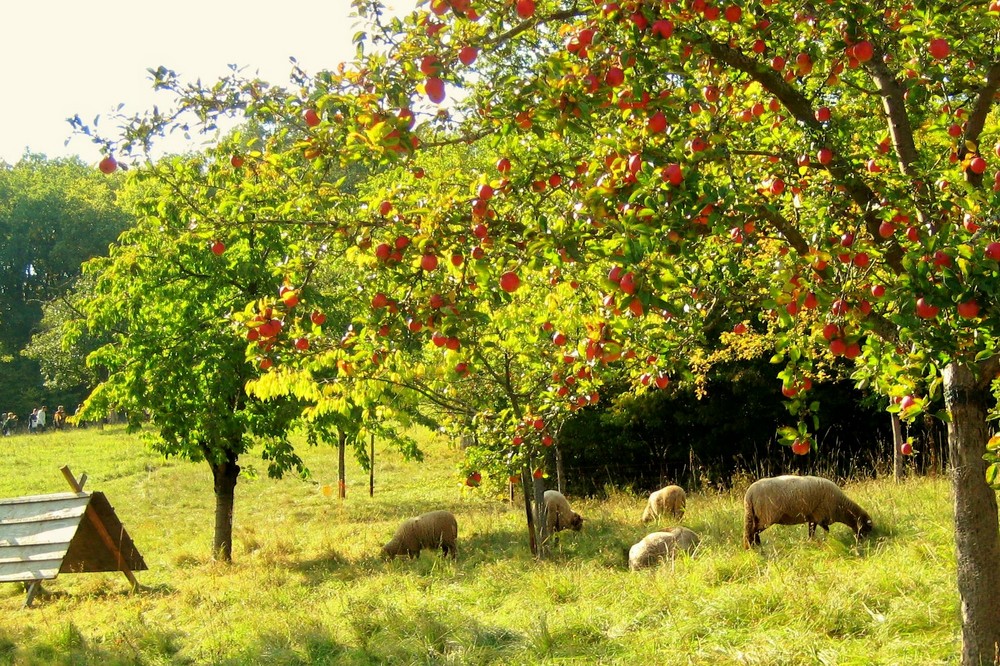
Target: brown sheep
429 530
669 500
559 515
793 500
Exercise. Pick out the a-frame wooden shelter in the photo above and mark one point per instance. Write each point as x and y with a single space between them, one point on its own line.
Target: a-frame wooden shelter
42 536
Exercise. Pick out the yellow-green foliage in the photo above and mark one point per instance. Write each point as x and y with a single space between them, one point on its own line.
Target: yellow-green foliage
307 585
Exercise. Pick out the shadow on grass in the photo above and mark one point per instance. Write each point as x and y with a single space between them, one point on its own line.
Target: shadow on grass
474 549
311 645
383 632
386 632
68 645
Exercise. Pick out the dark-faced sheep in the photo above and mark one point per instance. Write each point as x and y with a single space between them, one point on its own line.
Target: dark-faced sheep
559 515
661 545
793 500
668 501
429 530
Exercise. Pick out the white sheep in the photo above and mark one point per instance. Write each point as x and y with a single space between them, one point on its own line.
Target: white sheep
559 515
429 530
793 500
665 501
661 545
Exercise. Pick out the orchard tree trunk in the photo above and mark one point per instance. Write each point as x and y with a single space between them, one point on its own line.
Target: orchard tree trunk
542 522
225 475
529 514
341 467
977 535
897 444
560 479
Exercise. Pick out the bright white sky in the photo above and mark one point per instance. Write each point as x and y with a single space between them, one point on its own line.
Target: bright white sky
64 57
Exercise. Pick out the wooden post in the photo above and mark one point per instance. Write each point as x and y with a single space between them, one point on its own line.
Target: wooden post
33 588
341 471
897 453
102 531
371 468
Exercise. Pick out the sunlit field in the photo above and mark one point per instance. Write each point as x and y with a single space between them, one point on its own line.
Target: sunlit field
307 585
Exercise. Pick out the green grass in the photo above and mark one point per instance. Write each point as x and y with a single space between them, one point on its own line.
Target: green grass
307 586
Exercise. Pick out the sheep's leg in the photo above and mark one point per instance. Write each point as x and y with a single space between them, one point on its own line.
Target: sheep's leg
812 530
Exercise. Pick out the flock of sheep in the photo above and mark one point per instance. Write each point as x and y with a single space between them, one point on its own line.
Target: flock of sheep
781 500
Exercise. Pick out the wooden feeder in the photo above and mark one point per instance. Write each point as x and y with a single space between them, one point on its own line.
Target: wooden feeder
42 536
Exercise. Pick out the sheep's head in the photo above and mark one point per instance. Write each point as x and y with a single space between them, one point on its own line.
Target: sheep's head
576 522
390 550
865 525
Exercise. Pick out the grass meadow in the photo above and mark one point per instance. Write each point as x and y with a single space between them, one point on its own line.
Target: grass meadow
307 587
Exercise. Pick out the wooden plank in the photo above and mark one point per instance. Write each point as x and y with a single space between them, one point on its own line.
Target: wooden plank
19 572
28 534
17 517
42 498
11 554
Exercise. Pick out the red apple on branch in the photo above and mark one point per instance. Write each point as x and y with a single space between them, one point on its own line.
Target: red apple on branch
510 282
108 165
311 117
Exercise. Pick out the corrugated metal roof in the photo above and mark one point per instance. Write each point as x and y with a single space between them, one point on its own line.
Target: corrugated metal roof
42 536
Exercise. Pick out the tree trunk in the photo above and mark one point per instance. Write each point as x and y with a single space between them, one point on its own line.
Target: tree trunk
977 534
525 484
542 523
371 468
897 453
341 469
225 475
560 479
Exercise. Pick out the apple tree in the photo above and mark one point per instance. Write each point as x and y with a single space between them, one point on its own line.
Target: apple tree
819 173
839 153
168 302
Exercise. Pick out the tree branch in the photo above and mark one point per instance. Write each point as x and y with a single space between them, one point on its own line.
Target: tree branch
802 109
977 120
531 23
787 230
900 130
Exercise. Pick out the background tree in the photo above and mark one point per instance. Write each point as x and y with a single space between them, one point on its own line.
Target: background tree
67 377
54 215
167 301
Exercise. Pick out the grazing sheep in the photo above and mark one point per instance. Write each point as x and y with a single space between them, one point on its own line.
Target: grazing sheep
428 530
669 500
660 545
793 500
559 516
